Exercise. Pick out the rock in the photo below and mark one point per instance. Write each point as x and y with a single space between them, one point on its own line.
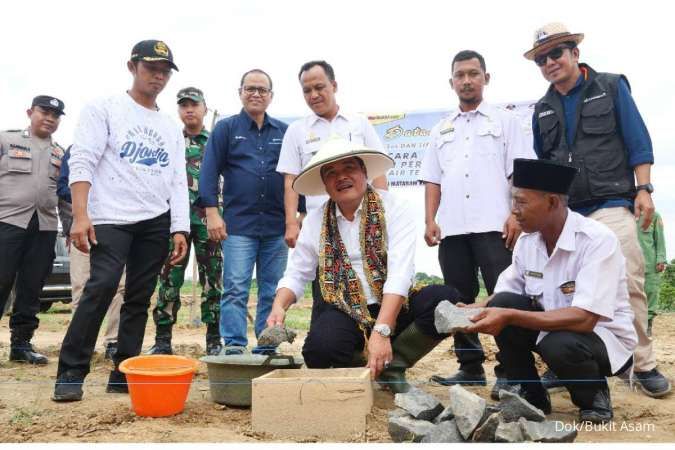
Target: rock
446 414
508 432
468 409
514 407
273 336
407 429
548 431
419 404
398 412
445 431
448 318
486 432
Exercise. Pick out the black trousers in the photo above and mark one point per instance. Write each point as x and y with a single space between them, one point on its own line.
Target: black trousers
334 337
141 247
460 257
580 360
27 257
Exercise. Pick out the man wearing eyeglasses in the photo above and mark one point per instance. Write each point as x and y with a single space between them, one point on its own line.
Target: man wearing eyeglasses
589 120
244 149
129 191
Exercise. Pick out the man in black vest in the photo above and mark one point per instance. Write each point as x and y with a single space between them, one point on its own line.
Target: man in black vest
589 120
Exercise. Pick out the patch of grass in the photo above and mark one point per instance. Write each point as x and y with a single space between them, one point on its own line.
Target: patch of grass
23 416
298 318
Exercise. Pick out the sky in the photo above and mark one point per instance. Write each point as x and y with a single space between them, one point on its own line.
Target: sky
389 56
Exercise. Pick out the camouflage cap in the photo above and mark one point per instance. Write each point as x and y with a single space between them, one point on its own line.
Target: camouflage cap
191 93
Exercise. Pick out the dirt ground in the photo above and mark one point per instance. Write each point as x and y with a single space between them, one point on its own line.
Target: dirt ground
28 415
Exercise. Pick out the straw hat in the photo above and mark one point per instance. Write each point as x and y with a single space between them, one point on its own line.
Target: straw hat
549 36
309 181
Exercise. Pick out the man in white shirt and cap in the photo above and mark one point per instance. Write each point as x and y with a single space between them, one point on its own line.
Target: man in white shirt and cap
563 297
362 240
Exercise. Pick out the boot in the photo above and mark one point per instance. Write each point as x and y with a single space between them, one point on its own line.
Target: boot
117 383
21 349
536 395
213 343
593 400
408 347
162 341
68 387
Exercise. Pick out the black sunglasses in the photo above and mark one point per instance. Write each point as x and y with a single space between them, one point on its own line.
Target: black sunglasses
554 54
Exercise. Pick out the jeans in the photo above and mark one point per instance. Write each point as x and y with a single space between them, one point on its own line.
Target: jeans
269 255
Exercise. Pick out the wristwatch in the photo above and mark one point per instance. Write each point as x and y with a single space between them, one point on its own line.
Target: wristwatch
645 187
382 329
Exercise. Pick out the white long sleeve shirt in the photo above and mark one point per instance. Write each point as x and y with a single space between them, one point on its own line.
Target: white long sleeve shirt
134 159
586 270
401 233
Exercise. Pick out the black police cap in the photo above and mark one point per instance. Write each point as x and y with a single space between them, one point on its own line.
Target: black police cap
48 102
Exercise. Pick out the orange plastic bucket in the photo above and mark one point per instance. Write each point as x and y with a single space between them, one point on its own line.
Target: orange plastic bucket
158 384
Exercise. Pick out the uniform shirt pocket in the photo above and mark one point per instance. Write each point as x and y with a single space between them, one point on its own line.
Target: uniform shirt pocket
534 286
489 139
446 148
307 151
19 161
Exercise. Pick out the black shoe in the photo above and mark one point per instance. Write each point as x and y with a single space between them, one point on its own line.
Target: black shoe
110 350
652 383
68 387
462 377
117 383
502 384
600 410
551 381
537 396
27 354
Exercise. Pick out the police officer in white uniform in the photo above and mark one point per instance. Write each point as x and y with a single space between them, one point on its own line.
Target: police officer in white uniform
564 296
29 168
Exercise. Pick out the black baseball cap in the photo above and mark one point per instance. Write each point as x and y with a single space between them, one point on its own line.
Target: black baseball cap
191 93
48 102
153 50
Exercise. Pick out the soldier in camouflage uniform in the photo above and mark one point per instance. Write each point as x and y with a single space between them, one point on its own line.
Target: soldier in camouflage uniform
653 243
192 109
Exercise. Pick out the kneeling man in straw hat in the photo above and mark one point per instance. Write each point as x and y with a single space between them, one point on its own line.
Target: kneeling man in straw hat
363 242
563 297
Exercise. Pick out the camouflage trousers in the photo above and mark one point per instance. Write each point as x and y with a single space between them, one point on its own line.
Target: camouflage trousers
210 266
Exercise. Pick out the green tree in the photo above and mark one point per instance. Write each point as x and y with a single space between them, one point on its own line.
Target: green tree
667 293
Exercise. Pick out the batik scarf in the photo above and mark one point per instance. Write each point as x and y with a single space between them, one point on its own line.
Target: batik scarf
340 285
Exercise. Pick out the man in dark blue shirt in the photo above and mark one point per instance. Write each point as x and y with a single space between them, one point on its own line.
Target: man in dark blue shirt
244 149
589 120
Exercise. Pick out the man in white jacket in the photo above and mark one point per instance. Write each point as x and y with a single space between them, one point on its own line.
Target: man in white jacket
127 177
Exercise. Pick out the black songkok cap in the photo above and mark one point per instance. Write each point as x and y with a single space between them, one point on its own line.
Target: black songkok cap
543 175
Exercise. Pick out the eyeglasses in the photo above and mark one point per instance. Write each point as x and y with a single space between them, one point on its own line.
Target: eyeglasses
250 90
554 54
